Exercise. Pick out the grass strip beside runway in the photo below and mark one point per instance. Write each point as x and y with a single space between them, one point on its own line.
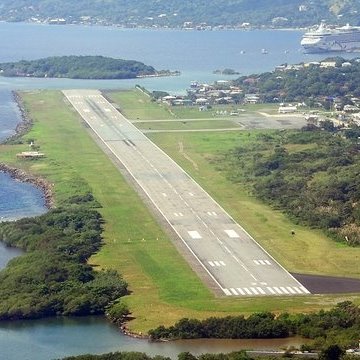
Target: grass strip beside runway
164 289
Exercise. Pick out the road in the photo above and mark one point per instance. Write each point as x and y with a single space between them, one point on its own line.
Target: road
234 263
244 121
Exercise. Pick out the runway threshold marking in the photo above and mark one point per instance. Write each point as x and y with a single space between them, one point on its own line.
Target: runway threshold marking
262 262
259 291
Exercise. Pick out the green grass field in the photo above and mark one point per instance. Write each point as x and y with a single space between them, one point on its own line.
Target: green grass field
136 105
310 251
164 288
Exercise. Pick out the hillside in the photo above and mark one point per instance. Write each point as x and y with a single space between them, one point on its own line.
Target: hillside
310 83
173 13
78 67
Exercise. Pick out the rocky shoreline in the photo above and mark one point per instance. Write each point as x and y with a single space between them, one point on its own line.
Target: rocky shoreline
24 125
40 183
18 174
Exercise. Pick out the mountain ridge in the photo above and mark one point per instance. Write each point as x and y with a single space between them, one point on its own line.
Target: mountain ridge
172 13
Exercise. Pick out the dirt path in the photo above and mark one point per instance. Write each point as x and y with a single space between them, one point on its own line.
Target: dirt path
186 156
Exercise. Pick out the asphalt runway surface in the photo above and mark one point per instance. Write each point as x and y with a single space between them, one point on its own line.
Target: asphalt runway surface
318 284
234 263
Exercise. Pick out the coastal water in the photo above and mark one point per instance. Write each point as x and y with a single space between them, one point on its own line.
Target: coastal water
9 114
18 199
56 338
7 253
196 54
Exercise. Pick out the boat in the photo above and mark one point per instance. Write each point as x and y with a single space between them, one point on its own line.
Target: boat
326 39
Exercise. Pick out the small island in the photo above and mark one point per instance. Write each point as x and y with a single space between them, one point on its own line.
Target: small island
226 72
81 67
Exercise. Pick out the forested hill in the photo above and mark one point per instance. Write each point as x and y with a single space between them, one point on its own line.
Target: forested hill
307 82
78 67
173 13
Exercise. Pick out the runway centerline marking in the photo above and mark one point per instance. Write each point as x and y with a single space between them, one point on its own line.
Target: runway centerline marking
142 159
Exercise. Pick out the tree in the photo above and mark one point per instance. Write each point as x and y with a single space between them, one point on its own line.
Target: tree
332 352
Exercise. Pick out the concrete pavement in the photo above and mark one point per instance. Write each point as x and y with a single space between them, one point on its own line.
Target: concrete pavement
233 261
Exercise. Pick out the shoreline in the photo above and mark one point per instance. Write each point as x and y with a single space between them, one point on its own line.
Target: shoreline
218 27
25 122
22 176
22 128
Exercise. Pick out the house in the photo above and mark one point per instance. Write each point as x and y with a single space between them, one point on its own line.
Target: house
30 155
287 109
201 101
328 64
351 108
251 98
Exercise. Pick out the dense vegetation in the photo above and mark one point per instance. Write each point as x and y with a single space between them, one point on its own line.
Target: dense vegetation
117 356
78 67
311 174
53 278
305 83
340 325
241 355
331 352
175 13
317 182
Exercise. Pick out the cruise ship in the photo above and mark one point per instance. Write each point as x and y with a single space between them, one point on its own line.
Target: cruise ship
324 39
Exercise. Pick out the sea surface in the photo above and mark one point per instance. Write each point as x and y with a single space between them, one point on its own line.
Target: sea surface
196 54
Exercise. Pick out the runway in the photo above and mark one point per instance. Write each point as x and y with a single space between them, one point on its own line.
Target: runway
234 262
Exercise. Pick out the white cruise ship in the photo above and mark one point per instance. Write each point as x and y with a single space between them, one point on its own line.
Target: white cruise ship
324 39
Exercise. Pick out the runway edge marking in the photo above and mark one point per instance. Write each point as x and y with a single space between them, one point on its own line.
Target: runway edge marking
211 198
225 291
